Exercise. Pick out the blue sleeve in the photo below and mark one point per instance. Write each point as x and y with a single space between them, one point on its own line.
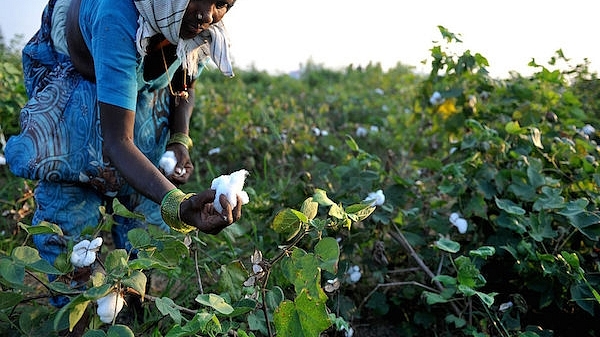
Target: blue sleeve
109 28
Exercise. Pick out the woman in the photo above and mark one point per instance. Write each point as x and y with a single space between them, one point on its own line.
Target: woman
111 87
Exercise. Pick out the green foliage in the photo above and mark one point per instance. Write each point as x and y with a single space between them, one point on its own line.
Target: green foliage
516 160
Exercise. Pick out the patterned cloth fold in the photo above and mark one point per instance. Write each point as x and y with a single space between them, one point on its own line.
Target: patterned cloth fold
164 17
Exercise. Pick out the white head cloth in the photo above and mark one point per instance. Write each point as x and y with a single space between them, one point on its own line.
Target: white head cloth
165 16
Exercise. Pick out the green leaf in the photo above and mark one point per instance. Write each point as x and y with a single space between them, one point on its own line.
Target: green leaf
487 299
137 280
310 208
9 299
274 297
94 333
44 266
513 127
288 223
232 279
304 272
509 206
243 307
216 302
139 238
337 212
445 280
321 198
484 251
573 208
76 312
328 252
119 330
534 172
166 306
116 262
433 298
361 211
12 272
25 254
541 227
551 199
447 245
43 227
305 317
95 293
121 210
458 322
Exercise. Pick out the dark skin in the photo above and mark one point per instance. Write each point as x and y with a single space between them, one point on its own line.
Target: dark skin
118 123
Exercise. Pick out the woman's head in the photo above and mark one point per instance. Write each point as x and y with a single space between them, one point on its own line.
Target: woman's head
200 14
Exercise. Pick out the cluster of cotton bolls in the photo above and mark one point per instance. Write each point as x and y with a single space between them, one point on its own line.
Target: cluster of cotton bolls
83 255
361 131
458 222
231 186
354 274
318 132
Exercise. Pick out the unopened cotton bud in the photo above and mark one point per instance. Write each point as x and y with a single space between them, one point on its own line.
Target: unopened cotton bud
231 186
109 306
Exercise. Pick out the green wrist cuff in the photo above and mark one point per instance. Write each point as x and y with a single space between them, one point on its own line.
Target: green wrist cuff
169 209
181 138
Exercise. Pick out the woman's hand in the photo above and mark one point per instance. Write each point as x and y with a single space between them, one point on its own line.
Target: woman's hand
198 211
184 167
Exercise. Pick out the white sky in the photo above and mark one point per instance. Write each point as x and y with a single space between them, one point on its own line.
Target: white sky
280 35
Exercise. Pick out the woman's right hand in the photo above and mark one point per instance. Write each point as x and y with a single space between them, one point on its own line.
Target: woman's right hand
198 211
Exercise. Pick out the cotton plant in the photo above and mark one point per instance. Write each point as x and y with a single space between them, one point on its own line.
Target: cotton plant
231 186
457 221
109 306
84 252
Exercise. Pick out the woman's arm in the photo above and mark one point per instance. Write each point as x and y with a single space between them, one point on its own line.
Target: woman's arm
117 131
180 142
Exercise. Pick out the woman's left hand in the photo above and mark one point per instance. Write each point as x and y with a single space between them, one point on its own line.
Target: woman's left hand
184 167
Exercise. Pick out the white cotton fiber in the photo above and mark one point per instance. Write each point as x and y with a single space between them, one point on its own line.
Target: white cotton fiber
231 186
167 162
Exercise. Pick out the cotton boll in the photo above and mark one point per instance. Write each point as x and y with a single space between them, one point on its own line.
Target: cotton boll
230 185
109 306
167 162
462 225
375 198
84 253
454 217
2 160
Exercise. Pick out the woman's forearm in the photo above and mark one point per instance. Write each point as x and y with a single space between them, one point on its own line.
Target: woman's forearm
117 131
